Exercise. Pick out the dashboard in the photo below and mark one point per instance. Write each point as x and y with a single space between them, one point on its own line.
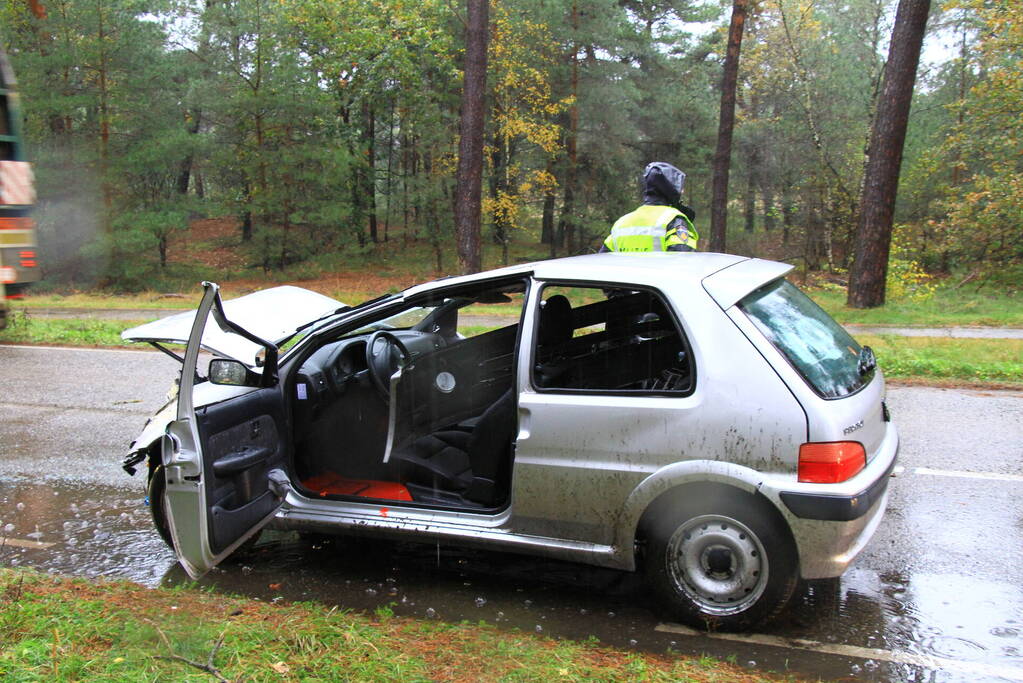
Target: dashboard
333 368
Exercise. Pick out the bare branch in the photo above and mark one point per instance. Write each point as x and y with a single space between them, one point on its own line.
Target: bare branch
805 102
454 10
207 667
213 671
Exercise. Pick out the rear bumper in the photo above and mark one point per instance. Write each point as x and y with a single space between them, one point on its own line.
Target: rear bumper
832 523
837 508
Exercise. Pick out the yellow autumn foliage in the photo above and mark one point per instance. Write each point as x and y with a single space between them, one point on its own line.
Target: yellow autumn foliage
985 220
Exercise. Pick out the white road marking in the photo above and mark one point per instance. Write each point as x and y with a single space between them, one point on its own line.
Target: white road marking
924 661
23 543
899 469
968 475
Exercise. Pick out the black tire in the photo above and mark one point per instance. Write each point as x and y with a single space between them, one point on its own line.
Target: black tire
721 562
157 485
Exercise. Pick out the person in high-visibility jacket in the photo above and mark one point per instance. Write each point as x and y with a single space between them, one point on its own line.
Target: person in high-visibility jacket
663 222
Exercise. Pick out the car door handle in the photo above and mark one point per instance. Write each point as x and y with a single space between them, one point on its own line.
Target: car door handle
524 415
239 461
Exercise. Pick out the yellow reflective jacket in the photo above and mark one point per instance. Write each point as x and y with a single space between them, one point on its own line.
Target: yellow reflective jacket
646 229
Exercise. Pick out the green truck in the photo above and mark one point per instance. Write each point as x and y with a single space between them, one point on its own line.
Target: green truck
19 265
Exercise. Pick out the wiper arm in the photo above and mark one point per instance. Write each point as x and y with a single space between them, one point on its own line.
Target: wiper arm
364 304
866 361
321 318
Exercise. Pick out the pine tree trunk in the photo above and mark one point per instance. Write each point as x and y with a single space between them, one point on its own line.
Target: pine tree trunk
877 205
405 178
726 123
814 244
104 128
768 194
566 227
184 174
185 170
498 166
247 214
547 221
750 199
371 173
788 213
390 160
470 146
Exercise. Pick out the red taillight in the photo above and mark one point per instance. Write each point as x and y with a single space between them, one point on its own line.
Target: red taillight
830 463
16 223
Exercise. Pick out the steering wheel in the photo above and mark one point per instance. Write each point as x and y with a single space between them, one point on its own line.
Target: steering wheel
385 353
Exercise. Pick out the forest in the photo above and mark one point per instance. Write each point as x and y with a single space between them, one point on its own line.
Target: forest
328 131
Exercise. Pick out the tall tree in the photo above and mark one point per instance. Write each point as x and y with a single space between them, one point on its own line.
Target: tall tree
881 176
726 123
468 191
983 203
523 120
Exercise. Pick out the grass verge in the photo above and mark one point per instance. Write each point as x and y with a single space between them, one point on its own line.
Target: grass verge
947 307
60 629
90 300
25 329
972 361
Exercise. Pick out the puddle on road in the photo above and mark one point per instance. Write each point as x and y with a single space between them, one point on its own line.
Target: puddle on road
95 532
942 616
106 532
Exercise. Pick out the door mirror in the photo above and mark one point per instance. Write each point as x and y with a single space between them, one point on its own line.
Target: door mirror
232 373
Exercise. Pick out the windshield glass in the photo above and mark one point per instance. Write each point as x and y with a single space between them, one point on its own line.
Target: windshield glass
819 348
402 320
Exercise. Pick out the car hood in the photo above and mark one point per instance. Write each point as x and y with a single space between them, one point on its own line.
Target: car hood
272 314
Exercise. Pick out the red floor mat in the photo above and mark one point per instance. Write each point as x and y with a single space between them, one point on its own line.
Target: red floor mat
329 483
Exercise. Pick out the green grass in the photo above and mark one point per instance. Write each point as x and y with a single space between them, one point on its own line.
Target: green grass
998 361
947 307
58 629
186 301
26 329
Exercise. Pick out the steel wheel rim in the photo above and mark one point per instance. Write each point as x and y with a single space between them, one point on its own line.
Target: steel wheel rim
718 563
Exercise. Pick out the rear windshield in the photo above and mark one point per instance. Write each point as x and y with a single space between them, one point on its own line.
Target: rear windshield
818 347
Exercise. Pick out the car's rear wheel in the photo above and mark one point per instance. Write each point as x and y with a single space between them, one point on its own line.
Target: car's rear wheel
724 563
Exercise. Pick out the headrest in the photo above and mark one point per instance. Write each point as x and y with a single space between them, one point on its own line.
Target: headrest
556 324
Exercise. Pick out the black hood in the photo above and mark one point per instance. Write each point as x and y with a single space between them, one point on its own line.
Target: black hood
662 184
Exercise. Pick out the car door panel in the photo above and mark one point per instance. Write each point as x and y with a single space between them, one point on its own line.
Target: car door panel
223 462
241 445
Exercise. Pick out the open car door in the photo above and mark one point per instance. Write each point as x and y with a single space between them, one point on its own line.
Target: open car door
224 463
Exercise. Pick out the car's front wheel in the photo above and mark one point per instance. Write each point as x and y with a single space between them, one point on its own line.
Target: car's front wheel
154 493
726 563
158 508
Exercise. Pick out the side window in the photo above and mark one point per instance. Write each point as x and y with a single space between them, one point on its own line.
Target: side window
487 315
598 340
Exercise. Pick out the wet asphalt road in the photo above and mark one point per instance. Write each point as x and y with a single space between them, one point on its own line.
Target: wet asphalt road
937 596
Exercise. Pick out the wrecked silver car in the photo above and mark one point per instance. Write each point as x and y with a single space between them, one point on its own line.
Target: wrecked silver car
691 415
